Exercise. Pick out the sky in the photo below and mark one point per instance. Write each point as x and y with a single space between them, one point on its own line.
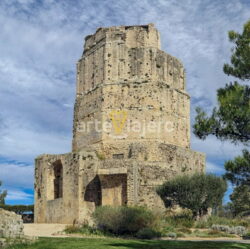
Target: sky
41 41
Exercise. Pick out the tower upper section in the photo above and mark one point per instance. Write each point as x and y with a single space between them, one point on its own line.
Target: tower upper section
131 36
126 54
125 86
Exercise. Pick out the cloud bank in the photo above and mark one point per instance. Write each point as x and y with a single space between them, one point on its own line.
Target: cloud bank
41 40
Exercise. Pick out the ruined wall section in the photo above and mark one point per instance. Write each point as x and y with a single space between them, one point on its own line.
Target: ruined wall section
11 225
144 175
49 209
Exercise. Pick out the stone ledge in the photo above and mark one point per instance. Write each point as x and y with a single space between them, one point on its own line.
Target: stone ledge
112 171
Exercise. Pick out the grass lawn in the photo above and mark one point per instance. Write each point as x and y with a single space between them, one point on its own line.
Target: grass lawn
110 243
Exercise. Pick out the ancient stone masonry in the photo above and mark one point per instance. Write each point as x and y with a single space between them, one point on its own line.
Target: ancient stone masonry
11 224
131 129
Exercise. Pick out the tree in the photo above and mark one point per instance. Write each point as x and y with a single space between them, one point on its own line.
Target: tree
238 172
197 192
241 200
231 120
238 169
3 194
240 59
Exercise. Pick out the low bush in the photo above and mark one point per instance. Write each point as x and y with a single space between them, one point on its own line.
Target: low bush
171 235
184 230
221 221
211 234
85 229
246 235
184 220
124 220
239 230
148 233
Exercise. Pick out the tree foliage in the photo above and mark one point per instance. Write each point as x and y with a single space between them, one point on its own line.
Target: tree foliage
19 209
197 192
238 172
241 200
231 120
240 59
238 169
3 194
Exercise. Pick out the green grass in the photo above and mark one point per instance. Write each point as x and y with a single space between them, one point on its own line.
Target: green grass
107 243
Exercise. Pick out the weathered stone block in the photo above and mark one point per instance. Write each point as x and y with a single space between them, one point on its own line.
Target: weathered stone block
11 224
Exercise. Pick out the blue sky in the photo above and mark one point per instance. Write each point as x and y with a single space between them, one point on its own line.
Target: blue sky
41 40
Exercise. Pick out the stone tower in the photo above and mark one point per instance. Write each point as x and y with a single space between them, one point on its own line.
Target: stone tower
123 68
131 129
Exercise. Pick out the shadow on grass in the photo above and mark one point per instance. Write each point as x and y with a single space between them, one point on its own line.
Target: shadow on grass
178 245
108 243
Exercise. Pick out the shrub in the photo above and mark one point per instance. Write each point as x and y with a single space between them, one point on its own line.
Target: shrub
171 235
100 156
148 233
221 221
239 230
124 220
246 236
211 234
184 230
71 229
84 229
196 192
184 220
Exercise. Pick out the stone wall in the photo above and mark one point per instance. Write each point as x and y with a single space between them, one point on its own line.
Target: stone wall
50 207
89 181
11 225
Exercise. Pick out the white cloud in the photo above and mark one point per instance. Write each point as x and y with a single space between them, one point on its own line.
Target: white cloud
25 144
18 175
25 1
18 195
214 168
216 149
42 40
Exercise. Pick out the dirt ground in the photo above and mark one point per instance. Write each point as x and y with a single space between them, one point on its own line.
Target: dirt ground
43 230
